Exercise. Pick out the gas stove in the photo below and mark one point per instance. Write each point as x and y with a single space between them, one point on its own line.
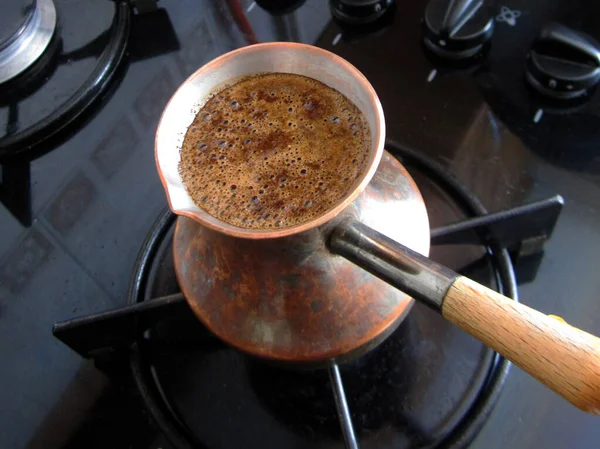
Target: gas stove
79 200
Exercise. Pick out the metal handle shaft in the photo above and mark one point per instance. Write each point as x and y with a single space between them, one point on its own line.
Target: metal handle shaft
405 269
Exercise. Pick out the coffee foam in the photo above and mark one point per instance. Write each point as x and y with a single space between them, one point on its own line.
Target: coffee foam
274 151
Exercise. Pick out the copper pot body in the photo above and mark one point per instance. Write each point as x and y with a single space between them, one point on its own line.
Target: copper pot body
281 294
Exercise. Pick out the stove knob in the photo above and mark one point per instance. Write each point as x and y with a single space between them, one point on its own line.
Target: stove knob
563 64
457 29
359 12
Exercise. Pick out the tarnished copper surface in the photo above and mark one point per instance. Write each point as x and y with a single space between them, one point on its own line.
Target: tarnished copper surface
288 298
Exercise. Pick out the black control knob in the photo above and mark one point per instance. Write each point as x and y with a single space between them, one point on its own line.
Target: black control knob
359 12
563 64
457 29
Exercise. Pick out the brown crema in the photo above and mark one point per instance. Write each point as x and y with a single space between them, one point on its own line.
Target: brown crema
274 151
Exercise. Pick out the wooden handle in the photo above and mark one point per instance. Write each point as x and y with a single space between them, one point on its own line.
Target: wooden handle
564 358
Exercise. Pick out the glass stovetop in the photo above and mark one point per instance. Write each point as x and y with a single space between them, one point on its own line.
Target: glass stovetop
95 196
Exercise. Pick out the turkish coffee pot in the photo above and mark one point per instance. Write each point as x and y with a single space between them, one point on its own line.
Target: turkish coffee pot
336 286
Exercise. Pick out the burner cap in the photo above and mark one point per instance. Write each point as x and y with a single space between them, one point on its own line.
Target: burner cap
28 33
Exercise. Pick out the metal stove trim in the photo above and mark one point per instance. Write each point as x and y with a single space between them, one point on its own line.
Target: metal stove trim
28 44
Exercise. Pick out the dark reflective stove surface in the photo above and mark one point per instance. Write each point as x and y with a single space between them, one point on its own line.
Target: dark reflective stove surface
94 195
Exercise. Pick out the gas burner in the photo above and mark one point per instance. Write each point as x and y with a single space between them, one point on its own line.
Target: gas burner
42 101
69 80
180 367
41 105
29 40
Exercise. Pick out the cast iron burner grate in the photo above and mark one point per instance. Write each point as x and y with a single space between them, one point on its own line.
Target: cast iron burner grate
191 381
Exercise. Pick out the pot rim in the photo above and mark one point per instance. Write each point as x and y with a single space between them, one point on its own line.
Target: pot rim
378 139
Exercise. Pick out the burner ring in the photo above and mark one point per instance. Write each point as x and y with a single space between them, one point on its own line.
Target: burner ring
29 42
467 427
81 101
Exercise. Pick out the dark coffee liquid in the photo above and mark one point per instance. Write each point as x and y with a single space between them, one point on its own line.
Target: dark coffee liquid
274 151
